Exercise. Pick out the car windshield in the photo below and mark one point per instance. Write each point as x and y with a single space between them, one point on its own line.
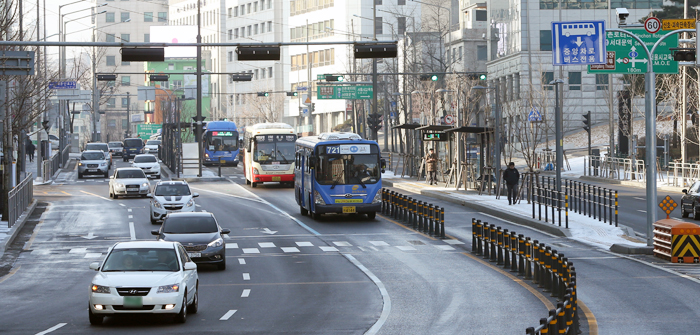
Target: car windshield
153 142
92 156
189 225
133 142
141 259
172 190
123 174
115 144
145 159
97 146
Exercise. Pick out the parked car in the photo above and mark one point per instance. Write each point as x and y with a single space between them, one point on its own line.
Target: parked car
54 142
170 197
144 277
128 181
199 233
152 147
149 164
93 162
132 147
100 146
690 201
116 148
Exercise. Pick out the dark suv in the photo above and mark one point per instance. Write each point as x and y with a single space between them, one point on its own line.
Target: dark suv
132 147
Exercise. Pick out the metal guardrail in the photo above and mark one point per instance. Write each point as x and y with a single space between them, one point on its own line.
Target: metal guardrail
19 198
597 202
544 266
419 215
682 174
614 168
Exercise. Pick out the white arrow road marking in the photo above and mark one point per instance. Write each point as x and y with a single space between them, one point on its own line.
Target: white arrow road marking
578 41
89 236
228 315
245 293
132 232
52 329
268 231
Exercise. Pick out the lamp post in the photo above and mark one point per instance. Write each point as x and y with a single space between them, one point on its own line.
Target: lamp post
558 135
497 129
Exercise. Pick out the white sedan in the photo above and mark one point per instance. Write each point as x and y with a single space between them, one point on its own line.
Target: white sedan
148 163
128 181
144 277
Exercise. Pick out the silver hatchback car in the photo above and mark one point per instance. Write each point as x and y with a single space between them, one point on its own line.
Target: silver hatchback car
94 162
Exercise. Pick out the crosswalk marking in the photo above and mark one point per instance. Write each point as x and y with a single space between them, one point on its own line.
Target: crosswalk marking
231 245
379 243
342 244
445 247
405 248
266 245
78 251
93 255
241 261
304 244
250 250
453 242
329 248
290 249
245 293
246 276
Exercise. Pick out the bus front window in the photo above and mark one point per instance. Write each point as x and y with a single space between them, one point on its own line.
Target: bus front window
348 169
222 141
274 149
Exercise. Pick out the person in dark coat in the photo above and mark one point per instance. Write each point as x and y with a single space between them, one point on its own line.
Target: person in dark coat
512 177
30 148
431 166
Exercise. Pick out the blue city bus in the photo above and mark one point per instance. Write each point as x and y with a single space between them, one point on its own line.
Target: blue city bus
338 173
221 143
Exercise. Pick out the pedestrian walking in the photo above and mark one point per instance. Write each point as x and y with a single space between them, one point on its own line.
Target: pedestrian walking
30 147
431 166
512 177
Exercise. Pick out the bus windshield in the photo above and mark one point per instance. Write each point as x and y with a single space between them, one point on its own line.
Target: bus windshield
274 149
222 140
343 169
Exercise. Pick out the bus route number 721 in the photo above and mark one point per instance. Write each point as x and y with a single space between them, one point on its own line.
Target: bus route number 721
332 150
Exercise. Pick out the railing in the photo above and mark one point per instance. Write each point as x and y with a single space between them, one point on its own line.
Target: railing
55 164
544 266
614 168
65 156
682 174
419 215
19 198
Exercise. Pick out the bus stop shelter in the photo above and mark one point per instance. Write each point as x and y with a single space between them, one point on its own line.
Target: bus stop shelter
482 139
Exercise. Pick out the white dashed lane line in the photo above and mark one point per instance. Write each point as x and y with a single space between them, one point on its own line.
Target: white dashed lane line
132 232
228 315
129 210
246 276
52 329
241 261
245 293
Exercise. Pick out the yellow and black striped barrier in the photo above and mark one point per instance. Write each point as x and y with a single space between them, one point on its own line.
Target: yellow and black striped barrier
677 241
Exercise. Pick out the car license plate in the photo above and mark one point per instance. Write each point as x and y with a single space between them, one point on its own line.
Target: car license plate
92 170
348 209
194 254
276 178
132 189
133 302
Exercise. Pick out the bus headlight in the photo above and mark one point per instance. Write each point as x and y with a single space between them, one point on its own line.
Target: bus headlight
255 171
318 199
377 197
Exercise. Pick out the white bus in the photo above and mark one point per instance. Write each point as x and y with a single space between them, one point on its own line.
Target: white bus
268 154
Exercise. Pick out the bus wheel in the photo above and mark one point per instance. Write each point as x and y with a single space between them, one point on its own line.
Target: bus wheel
247 181
303 210
254 184
371 215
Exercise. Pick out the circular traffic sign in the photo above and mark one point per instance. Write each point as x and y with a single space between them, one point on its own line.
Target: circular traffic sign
448 119
652 25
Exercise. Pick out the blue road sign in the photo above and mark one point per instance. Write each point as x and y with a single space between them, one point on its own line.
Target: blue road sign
578 43
534 116
301 88
63 85
392 115
393 104
305 112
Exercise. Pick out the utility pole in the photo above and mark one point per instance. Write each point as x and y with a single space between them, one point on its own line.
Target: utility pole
128 115
374 74
199 118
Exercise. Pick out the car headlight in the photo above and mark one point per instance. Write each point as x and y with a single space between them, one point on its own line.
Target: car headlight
169 288
216 243
145 184
206 155
99 289
156 204
255 171
103 164
190 203
155 167
80 164
318 199
119 185
377 198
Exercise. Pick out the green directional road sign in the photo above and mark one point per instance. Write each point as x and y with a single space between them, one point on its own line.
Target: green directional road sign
345 92
625 55
146 130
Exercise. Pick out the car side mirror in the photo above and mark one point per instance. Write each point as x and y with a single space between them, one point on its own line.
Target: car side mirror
685 191
190 266
155 232
225 231
382 163
194 195
95 266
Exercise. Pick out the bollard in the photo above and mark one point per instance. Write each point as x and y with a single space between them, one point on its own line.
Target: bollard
535 262
615 208
553 326
480 237
404 208
442 222
391 204
588 200
499 246
564 270
554 285
605 208
399 217
474 229
599 204
420 215
528 255
383 201
506 249
487 239
566 205
547 262
426 217
515 245
561 314
492 238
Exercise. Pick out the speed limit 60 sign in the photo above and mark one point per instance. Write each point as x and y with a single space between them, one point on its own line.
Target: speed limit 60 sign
652 25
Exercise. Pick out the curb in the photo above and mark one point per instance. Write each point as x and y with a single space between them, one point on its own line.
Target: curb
17 227
631 249
166 171
552 229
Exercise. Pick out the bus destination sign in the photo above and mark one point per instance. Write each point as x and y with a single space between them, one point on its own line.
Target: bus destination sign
221 133
348 149
275 138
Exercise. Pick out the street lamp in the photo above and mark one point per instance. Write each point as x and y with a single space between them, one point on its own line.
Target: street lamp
497 130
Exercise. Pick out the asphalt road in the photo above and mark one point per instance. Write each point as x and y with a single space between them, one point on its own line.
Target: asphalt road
286 273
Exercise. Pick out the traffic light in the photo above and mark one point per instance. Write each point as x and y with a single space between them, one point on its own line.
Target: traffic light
263 94
241 77
684 55
587 122
429 77
374 121
292 94
258 53
375 50
482 76
106 77
331 77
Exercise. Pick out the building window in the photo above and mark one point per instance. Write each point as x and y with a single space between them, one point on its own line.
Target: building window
262 4
269 4
125 123
112 102
401 20
269 26
147 38
125 16
262 73
575 81
111 61
601 81
461 52
255 29
545 40
377 2
230 56
230 34
248 10
235 33
401 2
109 17
148 17
547 77
269 71
480 15
262 27
378 25
126 80
255 76
235 11
125 38
125 102
112 123
162 16
255 6
481 52
109 38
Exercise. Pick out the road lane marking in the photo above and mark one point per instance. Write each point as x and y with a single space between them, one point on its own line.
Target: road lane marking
245 293
638 198
641 210
379 243
304 244
123 205
131 216
9 274
241 261
386 306
266 244
95 195
329 248
52 329
228 315
342 244
250 250
132 232
592 321
129 210
290 249
246 276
